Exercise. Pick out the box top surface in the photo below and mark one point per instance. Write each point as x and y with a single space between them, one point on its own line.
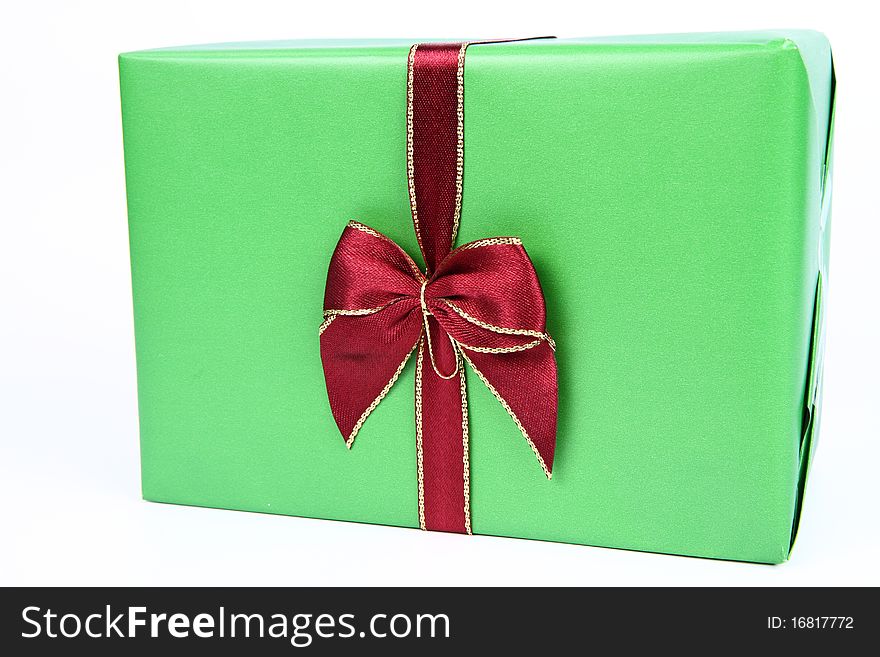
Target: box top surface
804 38
813 46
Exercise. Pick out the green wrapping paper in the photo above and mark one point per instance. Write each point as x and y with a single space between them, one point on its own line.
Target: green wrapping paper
673 193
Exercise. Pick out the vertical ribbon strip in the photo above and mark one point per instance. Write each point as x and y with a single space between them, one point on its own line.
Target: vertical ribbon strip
479 304
435 157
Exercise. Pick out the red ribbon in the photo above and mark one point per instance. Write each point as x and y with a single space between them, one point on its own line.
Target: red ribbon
479 304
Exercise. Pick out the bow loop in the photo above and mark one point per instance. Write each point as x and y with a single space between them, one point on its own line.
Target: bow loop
368 271
486 295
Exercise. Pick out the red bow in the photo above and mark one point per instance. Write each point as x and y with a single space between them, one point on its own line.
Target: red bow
479 304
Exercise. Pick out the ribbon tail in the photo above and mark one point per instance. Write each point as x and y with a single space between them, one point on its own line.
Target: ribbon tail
362 357
442 448
525 384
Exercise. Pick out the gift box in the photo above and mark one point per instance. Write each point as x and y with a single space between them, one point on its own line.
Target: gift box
559 289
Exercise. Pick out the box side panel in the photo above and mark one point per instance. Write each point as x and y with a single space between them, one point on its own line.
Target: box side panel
813 393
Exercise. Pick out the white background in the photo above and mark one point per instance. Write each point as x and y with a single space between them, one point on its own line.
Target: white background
69 479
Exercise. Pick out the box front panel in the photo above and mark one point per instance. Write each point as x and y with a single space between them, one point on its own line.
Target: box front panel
664 193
